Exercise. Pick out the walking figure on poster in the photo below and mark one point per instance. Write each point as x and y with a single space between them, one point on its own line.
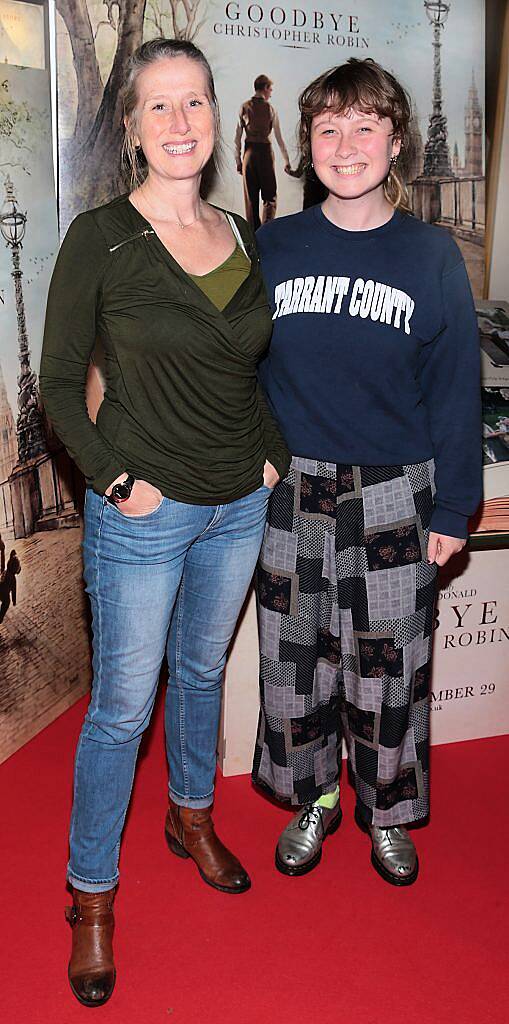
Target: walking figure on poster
8 584
257 119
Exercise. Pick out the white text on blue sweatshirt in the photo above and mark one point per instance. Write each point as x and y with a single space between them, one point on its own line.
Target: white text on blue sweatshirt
373 299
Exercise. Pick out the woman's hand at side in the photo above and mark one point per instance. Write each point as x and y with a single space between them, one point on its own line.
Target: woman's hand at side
144 498
441 547
270 475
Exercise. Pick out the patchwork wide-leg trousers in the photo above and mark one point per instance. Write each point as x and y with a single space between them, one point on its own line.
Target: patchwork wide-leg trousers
346 599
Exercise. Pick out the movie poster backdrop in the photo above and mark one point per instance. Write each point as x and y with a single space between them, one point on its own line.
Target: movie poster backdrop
435 49
44 651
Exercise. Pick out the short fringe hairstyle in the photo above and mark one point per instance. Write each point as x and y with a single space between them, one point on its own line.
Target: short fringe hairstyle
359 85
134 165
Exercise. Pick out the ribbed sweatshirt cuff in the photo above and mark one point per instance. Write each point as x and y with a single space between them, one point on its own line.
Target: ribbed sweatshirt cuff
451 524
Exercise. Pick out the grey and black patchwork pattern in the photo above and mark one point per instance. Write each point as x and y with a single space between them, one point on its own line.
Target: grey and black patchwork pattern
345 600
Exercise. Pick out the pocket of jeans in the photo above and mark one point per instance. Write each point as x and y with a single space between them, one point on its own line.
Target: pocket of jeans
143 515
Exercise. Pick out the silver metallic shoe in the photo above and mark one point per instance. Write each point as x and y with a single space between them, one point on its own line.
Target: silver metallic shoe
299 849
393 853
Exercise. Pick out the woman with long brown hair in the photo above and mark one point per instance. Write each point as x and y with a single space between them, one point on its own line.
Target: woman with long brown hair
373 376
179 467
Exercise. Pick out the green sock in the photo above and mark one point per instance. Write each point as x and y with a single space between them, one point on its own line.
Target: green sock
328 799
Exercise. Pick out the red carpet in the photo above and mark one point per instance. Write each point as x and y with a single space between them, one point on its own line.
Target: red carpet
339 946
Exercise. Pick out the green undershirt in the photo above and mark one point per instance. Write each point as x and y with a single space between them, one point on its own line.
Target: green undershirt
220 284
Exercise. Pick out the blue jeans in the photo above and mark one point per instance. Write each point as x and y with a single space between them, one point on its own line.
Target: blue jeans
172 581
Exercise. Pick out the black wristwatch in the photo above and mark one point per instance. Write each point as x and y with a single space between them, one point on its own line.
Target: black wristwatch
122 491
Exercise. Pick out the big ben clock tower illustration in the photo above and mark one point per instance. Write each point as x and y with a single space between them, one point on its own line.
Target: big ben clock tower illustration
473 132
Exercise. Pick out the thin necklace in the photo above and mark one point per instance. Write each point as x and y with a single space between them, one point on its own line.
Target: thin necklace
178 220
181 225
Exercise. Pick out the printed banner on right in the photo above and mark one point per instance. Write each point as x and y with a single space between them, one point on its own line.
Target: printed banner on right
470 679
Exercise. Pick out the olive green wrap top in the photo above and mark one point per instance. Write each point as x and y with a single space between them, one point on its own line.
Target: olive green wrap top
182 407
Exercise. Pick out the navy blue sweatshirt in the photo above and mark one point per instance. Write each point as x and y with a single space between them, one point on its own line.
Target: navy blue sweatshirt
375 356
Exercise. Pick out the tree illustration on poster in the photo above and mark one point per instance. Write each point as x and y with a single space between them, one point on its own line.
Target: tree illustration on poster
180 21
91 155
21 128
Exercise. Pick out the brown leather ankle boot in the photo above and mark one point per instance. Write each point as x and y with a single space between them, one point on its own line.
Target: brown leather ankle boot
91 968
190 833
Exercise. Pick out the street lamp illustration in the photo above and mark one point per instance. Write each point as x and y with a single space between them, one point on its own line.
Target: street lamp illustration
437 162
29 427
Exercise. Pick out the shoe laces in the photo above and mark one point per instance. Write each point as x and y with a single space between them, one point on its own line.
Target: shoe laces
310 815
392 833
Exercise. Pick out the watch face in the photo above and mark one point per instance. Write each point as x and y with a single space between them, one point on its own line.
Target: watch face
121 491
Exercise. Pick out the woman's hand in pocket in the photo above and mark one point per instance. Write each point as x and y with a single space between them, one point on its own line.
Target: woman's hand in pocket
144 499
270 475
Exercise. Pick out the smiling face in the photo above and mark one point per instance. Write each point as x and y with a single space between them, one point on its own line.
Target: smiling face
174 120
351 152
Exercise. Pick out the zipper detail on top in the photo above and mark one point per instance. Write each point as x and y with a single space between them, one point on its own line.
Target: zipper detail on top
139 234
